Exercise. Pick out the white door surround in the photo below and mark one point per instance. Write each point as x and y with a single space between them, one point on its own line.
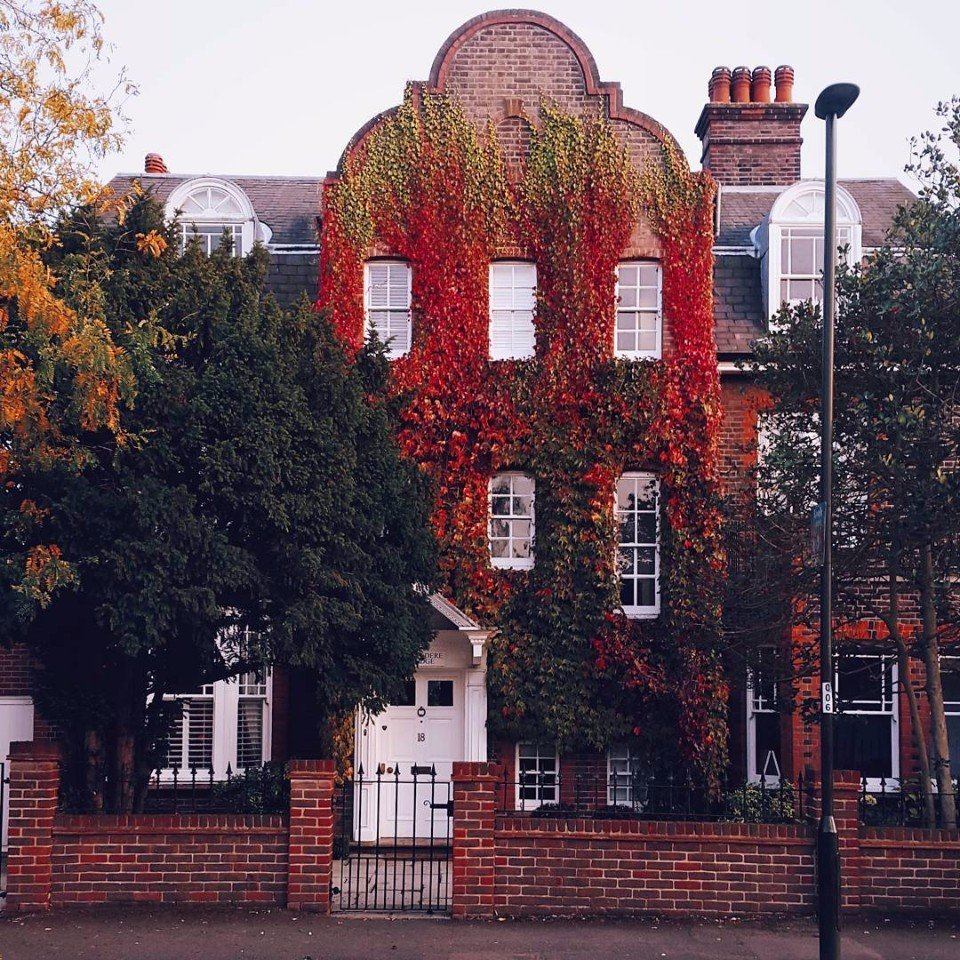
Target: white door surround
443 719
16 724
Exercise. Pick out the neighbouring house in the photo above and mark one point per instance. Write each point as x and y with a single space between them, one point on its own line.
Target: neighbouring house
501 67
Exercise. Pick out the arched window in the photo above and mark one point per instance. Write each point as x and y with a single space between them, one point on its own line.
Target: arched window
208 209
790 243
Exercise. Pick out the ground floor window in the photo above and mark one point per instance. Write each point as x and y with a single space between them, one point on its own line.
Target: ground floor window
623 769
537 769
763 718
222 727
950 678
865 728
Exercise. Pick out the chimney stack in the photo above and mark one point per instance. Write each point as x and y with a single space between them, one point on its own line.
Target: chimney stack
746 138
153 163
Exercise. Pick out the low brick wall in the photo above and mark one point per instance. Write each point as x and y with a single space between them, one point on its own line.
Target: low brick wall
519 865
915 870
169 859
57 859
585 867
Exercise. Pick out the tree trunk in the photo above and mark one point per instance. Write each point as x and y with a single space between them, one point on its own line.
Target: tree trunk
903 671
93 757
931 660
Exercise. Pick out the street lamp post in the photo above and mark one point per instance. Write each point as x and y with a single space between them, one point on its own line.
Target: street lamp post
832 104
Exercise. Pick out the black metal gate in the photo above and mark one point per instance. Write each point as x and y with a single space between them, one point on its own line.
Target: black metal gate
392 841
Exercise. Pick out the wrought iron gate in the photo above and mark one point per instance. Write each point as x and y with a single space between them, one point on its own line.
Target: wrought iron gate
392 841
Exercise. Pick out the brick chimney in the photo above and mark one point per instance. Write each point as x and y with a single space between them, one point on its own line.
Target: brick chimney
153 163
746 138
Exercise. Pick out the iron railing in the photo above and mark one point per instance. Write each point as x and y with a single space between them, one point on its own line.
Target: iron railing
636 796
254 789
898 802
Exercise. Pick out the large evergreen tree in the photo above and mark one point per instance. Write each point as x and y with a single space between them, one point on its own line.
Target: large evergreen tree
258 487
897 440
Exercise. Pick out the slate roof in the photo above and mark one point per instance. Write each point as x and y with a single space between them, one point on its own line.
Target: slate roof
742 210
738 301
289 206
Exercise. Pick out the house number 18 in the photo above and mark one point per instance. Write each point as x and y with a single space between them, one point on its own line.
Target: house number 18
421 737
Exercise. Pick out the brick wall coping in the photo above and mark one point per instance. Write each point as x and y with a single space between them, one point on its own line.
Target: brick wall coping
665 829
302 767
909 836
34 750
201 825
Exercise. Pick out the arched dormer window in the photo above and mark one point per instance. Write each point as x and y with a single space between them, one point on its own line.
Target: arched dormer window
208 207
790 243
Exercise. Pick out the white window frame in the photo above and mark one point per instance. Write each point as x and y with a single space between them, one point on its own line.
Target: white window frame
226 696
394 349
889 706
543 752
619 780
232 210
519 318
512 563
635 611
757 704
801 206
951 708
657 351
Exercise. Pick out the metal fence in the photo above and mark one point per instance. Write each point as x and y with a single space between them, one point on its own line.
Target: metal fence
635 796
260 789
898 802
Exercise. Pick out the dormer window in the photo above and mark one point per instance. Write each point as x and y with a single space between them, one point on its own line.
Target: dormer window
790 243
211 211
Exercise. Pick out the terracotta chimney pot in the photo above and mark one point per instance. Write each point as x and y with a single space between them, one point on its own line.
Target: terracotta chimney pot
719 85
740 85
760 90
784 80
153 163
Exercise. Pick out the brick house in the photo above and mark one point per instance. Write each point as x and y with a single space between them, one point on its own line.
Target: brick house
768 219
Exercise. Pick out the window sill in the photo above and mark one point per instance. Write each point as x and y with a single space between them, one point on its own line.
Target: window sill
641 613
499 564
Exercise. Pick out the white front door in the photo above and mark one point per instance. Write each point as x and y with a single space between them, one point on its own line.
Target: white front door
16 723
411 740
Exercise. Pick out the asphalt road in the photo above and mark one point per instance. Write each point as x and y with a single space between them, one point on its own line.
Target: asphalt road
210 934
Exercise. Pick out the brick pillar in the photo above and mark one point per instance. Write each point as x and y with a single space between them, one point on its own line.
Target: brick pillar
846 813
34 784
311 834
474 850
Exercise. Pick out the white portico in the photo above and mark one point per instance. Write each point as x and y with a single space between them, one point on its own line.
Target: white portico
441 718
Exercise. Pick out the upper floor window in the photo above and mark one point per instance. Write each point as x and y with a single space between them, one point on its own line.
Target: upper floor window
513 300
790 243
511 520
212 210
387 291
639 317
637 512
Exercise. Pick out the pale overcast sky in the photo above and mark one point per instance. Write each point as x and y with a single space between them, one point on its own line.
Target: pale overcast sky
279 86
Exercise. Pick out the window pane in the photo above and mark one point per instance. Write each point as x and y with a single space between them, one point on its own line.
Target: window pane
863 743
198 716
408 696
767 742
439 693
249 733
646 593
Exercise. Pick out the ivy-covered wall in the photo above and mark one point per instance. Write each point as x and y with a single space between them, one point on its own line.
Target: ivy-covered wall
430 186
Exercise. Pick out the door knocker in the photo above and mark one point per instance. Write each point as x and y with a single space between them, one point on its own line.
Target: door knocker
421 712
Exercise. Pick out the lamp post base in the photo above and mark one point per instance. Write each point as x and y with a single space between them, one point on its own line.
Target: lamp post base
828 889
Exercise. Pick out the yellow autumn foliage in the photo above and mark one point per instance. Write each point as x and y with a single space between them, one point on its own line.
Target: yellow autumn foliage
59 370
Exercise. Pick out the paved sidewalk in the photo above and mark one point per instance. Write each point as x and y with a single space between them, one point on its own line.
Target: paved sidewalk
218 934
